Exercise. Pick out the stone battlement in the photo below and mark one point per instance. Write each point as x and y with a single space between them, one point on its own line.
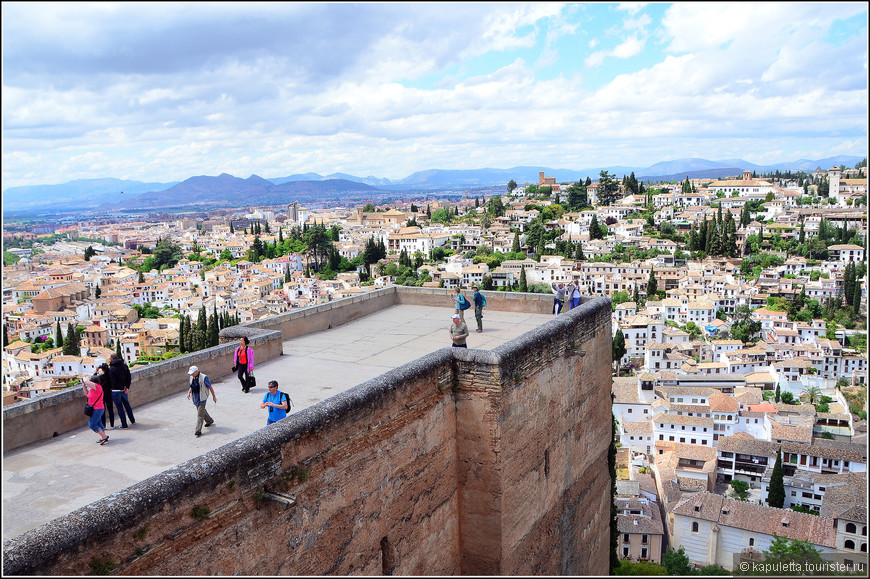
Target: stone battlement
459 462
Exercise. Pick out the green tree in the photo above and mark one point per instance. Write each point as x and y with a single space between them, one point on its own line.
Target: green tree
608 188
72 343
740 487
58 336
524 287
618 347
677 562
510 187
777 397
89 253
577 196
652 286
495 206
515 248
642 568
776 488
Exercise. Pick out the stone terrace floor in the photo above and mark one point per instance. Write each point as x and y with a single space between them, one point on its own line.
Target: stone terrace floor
48 479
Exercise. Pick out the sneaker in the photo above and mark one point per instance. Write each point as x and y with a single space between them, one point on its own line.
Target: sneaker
123 427
197 434
209 424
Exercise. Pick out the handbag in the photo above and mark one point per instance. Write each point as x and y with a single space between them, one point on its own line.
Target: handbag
251 381
89 408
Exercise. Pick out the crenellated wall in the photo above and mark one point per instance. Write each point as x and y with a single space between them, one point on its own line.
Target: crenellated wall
460 462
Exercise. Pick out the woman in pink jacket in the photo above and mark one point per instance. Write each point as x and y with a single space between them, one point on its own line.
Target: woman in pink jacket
94 392
243 362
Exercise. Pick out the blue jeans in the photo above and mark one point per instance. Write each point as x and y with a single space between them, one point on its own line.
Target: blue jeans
122 403
95 420
575 302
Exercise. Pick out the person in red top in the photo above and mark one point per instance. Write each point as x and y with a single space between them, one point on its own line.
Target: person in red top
94 392
243 362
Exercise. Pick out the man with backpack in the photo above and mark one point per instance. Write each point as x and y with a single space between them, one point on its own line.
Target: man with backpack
277 402
479 303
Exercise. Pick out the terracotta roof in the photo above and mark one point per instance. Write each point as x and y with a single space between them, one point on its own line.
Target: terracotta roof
758 518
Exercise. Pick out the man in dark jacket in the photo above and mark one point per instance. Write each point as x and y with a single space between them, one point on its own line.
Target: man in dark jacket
120 379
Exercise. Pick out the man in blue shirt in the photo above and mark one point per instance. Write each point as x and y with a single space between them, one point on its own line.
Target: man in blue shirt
277 402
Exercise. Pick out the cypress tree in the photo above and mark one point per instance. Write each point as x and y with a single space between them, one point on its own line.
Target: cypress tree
6 337
515 248
652 286
776 488
181 338
523 285
579 252
58 336
776 397
118 348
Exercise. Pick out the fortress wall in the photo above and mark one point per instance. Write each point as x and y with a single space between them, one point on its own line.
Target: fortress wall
533 429
373 471
555 432
63 411
460 462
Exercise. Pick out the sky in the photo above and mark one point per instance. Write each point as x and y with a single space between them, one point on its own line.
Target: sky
160 92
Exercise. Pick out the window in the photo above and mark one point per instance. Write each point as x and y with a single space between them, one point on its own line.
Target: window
694 527
751 541
849 545
625 552
643 553
643 540
851 528
625 537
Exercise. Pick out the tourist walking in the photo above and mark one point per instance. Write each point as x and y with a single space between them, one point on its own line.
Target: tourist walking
574 290
199 387
119 377
277 402
461 303
96 406
243 363
103 378
479 303
458 332
558 297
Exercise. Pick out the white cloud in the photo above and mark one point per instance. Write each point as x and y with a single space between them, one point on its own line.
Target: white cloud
334 97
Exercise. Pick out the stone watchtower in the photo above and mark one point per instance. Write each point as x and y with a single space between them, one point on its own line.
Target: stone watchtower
834 182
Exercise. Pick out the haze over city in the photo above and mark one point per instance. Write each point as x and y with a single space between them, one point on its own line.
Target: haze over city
164 91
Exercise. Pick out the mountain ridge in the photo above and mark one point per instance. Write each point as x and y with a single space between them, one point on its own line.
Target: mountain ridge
224 188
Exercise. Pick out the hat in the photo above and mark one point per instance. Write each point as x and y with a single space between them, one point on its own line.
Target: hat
192 371
456 317
474 287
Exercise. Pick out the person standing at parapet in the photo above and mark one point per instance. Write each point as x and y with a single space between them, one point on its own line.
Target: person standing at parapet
119 376
199 387
94 392
458 332
243 362
479 303
574 289
558 297
103 378
461 303
277 402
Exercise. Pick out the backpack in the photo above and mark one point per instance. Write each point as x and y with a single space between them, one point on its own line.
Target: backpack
284 396
464 304
483 297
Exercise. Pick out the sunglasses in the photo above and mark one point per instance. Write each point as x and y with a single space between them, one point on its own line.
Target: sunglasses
270 387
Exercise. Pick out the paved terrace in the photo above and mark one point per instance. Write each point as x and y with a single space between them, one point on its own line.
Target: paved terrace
45 480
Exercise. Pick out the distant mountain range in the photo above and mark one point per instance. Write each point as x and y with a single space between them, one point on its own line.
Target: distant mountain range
226 190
